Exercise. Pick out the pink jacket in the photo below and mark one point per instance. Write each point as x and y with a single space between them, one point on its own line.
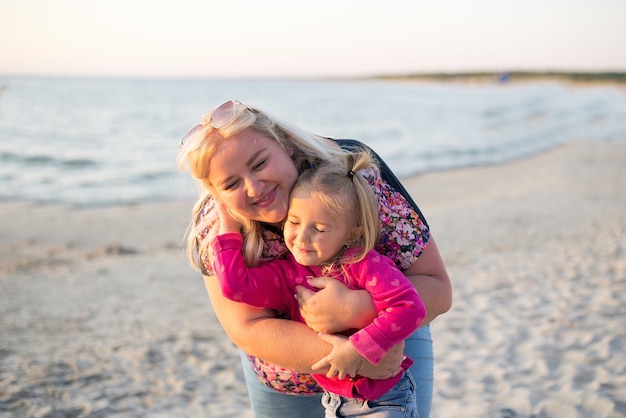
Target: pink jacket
272 285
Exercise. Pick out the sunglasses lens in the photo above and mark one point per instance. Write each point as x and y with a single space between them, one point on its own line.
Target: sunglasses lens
223 114
190 133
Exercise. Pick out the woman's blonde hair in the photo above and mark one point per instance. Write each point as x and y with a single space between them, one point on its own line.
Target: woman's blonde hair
339 186
199 147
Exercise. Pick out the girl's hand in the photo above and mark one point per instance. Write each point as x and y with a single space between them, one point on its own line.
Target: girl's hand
343 360
334 308
227 223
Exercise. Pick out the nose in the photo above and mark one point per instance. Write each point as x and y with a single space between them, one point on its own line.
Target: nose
254 187
302 235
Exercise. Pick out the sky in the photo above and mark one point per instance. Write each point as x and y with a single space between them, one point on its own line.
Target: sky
320 38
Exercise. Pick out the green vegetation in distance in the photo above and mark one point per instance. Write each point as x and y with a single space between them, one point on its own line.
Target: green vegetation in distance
506 76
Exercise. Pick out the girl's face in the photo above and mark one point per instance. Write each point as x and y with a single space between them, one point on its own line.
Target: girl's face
253 176
312 234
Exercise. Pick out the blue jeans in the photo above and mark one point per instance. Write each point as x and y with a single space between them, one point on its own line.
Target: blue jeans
268 403
398 402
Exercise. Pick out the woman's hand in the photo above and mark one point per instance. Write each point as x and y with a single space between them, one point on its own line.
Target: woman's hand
388 367
334 308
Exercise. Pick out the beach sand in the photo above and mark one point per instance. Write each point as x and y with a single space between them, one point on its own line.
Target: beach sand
102 315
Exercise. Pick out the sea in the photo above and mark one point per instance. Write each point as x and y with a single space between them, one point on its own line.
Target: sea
99 142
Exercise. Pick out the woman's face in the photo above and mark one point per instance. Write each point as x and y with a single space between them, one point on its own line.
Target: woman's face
253 176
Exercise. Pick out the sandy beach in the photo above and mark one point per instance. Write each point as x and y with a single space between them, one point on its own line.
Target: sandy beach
102 316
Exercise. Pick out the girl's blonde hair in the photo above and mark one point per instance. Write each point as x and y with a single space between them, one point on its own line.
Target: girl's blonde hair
201 145
340 187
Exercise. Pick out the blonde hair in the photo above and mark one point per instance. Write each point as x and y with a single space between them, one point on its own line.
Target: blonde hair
342 190
200 147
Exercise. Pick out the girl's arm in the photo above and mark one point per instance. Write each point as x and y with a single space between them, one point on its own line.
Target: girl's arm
400 308
264 286
335 307
400 311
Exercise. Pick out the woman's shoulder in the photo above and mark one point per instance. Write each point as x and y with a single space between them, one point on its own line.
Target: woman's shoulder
385 183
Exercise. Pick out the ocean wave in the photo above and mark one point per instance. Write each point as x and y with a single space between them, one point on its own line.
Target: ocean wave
46 160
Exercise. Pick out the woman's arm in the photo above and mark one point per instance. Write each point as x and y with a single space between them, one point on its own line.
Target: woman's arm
286 343
258 332
430 278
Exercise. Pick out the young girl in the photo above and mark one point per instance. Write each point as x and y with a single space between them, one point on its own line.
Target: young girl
331 228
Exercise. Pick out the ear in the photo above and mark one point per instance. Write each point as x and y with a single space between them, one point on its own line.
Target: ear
355 235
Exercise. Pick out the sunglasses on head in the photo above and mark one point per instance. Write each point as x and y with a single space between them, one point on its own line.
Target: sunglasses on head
220 117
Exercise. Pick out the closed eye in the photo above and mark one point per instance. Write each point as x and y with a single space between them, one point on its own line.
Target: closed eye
259 165
231 186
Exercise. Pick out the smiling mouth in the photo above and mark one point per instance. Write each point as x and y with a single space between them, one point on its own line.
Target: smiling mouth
265 199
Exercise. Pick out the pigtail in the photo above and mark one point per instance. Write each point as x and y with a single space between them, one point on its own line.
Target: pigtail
366 208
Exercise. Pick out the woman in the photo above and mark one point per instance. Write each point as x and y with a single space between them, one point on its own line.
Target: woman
251 162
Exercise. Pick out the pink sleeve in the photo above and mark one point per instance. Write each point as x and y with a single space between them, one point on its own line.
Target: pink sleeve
400 308
264 286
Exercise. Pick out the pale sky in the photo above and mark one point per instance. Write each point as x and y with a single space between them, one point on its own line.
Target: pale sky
318 38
